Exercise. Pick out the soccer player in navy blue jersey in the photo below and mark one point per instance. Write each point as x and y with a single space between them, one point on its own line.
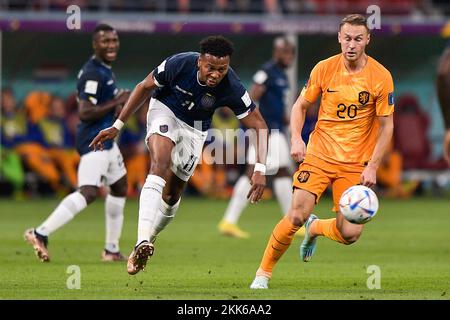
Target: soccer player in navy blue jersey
98 101
269 89
188 88
443 90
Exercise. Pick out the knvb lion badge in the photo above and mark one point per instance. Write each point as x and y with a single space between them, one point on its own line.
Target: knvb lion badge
363 97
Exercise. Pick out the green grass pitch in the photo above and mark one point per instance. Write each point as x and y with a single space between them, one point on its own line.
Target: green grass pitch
408 240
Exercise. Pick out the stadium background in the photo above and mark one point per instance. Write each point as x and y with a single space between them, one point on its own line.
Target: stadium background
39 53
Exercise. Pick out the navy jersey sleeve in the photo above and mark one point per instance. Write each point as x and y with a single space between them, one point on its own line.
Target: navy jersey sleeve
166 72
240 102
89 86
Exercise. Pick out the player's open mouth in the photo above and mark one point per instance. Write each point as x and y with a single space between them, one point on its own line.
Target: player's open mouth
211 82
351 54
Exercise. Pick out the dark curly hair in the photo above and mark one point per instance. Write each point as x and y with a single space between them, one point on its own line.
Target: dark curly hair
217 46
101 27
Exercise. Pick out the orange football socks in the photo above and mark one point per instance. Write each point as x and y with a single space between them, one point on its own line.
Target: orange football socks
279 241
327 228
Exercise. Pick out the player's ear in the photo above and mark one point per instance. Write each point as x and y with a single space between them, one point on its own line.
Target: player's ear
368 39
199 61
339 37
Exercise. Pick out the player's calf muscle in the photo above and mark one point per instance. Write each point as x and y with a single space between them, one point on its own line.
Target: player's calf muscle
350 232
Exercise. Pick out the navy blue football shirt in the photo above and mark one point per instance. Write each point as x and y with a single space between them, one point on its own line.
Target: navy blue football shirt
96 84
272 103
192 102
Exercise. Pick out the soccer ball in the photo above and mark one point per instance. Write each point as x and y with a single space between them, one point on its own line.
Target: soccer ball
358 204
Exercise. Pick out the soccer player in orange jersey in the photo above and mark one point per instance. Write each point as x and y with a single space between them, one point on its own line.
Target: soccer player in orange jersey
353 130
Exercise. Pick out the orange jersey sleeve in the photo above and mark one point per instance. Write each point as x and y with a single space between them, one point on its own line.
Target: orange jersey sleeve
385 98
347 126
313 88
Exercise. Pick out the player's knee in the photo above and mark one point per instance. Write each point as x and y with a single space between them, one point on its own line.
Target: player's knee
297 216
89 193
173 195
119 189
159 167
171 199
298 221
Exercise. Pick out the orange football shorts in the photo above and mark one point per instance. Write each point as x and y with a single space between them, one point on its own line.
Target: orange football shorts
314 175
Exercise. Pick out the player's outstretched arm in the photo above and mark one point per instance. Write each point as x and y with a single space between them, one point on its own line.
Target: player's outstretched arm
298 114
443 90
258 181
135 101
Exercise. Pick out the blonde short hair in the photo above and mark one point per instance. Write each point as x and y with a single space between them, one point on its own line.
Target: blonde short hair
355 20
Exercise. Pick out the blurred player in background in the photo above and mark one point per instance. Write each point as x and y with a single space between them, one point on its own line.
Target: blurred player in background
354 128
190 86
58 140
20 127
12 128
99 102
270 87
443 89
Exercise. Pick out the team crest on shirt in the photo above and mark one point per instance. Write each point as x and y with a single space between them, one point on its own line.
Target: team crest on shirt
164 128
207 101
363 97
303 176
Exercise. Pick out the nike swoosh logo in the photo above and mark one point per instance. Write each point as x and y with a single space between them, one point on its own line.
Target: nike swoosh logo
328 90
